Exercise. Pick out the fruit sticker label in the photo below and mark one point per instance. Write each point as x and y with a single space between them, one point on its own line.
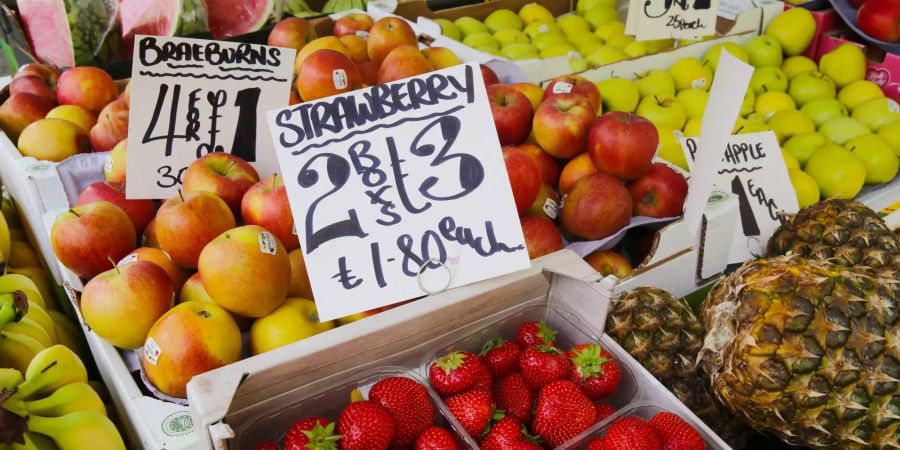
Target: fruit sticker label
190 97
267 243
339 78
151 351
671 19
753 169
398 190
562 87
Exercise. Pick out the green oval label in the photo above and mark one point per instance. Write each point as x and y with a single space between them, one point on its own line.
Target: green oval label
178 424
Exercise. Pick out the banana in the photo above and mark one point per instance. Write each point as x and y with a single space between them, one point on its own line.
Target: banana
101 390
82 430
22 255
68 334
17 350
10 378
28 444
30 328
8 211
17 282
70 398
39 315
5 242
49 370
41 442
41 280
16 234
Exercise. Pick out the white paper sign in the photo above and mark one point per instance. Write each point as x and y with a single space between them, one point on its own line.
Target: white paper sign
190 97
383 180
754 170
676 19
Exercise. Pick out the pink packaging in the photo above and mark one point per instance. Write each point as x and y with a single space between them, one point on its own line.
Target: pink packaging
883 68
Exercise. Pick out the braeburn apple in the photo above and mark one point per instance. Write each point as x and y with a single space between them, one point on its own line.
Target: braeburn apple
32 85
541 236
296 319
512 113
266 204
114 166
140 211
659 193
387 34
574 170
574 84
596 207
608 262
524 177
623 144
111 127
223 174
176 273
490 77
75 114
86 237
403 62
292 32
53 140
89 87
325 73
300 285
561 124
351 24
187 222
21 110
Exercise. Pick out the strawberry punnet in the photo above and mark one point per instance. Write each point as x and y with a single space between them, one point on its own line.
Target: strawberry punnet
473 409
313 433
535 333
629 433
509 434
366 425
541 365
454 372
594 370
677 434
500 356
514 397
408 403
435 438
562 412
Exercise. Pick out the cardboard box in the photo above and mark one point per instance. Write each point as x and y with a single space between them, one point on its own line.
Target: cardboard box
225 401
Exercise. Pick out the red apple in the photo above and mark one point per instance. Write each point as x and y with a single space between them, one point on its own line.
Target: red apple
46 72
541 236
369 72
356 48
596 207
266 204
111 127
403 62
512 113
21 110
880 19
177 274
86 86
524 177
140 212
32 85
608 262
352 23
546 164
574 84
387 34
490 77
223 174
659 193
325 73
149 238
187 222
85 237
623 144
561 124
293 32
577 167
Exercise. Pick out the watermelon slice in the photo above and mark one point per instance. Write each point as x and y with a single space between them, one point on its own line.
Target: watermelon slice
66 33
160 18
229 18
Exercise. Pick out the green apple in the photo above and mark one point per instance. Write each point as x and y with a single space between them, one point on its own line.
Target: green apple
656 82
805 187
803 145
636 49
690 73
664 112
545 40
771 102
570 23
891 134
845 64
583 6
481 39
748 103
809 86
788 123
583 37
795 65
794 29
824 109
658 45
534 12
711 57
749 125
841 129
692 127
880 160
609 30
767 79
670 148
858 92
578 64
519 50
764 51
542 26
511 36
558 49
693 101
503 19
621 41
606 55
877 112
790 160
490 50
589 47
600 15
619 94
469 25
838 172
449 29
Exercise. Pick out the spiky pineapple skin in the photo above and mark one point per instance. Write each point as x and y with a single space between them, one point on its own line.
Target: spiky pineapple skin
844 232
809 351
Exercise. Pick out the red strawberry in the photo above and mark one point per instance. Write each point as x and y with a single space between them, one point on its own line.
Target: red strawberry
514 397
311 432
366 425
541 365
408 403
454 373
594 370
500 357
508 434
604 410
435 438
483 378
632 433
267 445
535 333
562 412
473 409
677 434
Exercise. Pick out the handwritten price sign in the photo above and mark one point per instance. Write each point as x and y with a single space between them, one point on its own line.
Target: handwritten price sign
190 97
398 190
754 170
676 19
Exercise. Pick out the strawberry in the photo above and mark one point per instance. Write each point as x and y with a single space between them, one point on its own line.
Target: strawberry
365 425
454 373
632 433
535 333
562 412
604 410
409 405
483 378
596 444
594 370
473 409
677 434
500 357
541 365
267 445
314 433
514 397
435 438
509 434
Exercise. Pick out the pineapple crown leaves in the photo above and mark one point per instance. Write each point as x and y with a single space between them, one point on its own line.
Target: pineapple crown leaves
322 438
451 361
546 333
492 344
590 360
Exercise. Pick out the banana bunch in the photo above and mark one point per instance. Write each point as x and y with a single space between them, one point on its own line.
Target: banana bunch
61 410
333 6
298 8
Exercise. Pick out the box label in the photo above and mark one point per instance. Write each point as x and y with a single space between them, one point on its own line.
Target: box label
675 19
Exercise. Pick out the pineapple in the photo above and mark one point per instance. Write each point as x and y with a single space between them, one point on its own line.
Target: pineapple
808 350
662 333
844 232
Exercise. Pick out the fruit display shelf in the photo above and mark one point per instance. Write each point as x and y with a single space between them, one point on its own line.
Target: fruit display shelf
848 12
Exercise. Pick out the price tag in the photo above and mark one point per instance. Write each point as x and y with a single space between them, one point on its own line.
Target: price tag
754 170
190 97
676 19
398 190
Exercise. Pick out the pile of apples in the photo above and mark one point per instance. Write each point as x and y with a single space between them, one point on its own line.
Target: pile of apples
592 35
